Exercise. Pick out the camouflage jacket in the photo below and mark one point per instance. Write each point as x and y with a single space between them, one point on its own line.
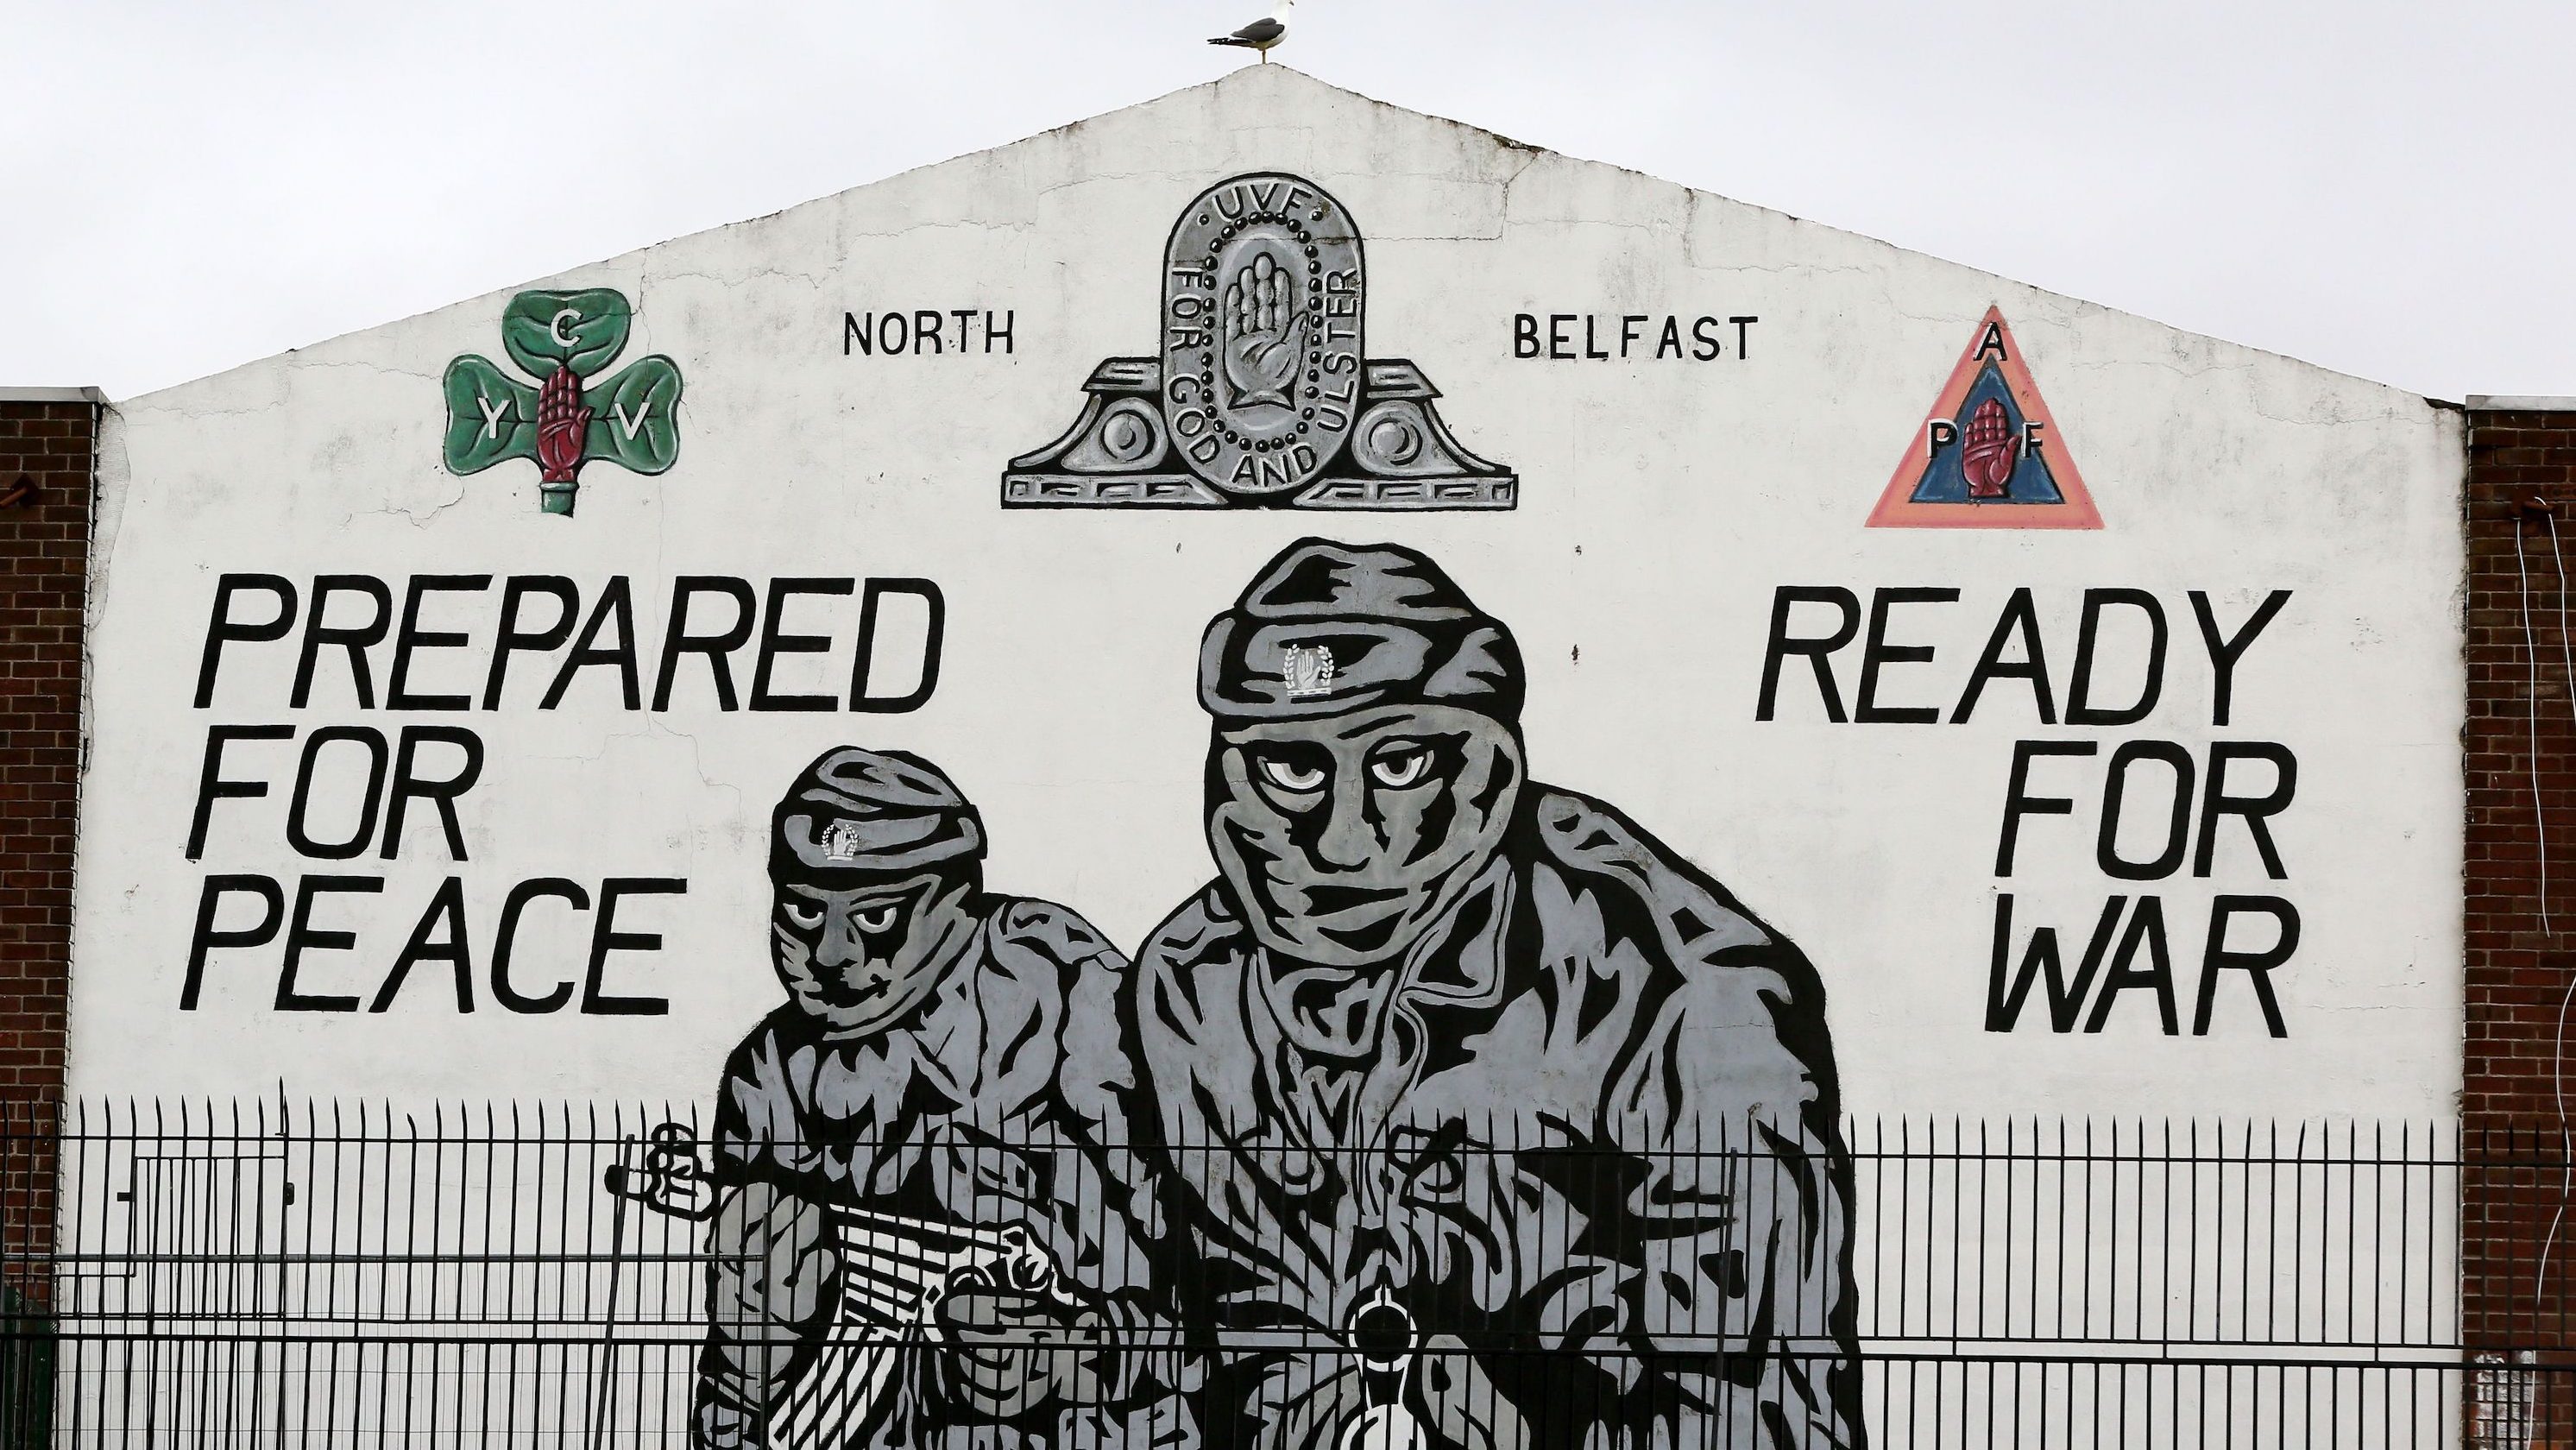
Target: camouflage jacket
1585 1136
990 1107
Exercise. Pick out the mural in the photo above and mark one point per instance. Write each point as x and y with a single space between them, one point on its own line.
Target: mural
1262 394
1500 1122
563 338
1989 456
1312 1073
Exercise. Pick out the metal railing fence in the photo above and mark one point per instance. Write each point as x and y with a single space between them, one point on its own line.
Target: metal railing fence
358 1274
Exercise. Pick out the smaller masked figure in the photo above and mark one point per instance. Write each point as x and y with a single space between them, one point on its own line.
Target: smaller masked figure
1496 1123
918 1240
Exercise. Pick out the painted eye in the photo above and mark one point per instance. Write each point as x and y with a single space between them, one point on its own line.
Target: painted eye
1288 775
878 920
1400 768
802 915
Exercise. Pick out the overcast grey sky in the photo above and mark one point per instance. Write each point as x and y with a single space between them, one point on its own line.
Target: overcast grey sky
2383 188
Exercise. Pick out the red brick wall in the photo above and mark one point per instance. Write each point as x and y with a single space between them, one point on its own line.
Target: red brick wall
44 552
46 471
2521 939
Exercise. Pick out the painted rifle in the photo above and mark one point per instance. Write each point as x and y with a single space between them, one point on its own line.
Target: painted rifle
894 1273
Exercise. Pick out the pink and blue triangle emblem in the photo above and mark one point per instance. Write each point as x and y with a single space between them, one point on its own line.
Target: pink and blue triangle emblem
1988 456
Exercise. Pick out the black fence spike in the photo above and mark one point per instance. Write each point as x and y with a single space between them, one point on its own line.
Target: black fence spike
188 1275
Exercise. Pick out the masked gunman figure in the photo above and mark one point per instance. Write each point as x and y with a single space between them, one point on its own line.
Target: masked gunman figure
917 1241
1492 1122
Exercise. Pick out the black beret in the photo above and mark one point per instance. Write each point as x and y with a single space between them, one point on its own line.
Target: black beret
872 812
1328 628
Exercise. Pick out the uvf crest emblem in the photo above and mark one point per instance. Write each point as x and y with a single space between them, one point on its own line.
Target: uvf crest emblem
1261 393
1261 333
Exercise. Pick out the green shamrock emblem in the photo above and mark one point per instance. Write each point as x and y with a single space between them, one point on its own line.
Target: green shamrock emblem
563 338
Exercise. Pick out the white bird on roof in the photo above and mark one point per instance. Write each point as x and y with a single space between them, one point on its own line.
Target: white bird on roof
1260 35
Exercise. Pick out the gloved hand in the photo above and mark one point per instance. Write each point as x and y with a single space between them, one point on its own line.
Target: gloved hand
1010 1351
770 1296
1460 1405
1446 1403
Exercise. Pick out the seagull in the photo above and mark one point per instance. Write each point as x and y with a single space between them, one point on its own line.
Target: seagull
1260 35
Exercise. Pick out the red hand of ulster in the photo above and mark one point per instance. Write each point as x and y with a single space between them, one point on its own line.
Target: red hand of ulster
563 425
1986 456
